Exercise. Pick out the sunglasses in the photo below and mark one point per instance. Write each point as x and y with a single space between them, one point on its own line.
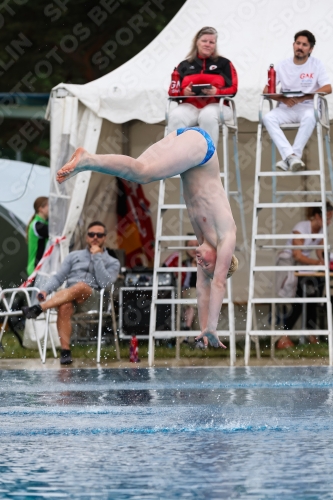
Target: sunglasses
99 235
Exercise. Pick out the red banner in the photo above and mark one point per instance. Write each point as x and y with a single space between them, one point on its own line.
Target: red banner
134 228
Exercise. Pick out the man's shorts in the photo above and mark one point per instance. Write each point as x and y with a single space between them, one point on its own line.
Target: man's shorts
91 304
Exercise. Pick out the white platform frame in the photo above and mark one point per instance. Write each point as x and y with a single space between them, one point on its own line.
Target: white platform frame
322 123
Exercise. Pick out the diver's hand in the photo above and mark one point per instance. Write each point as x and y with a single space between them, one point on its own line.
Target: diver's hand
212 337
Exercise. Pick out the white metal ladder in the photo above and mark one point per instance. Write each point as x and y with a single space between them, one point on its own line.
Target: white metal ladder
322 123
161 239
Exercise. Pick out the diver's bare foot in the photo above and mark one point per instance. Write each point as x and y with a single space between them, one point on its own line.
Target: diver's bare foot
68 170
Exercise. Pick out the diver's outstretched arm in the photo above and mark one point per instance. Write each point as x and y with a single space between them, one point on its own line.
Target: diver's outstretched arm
203 295
204 298
211 311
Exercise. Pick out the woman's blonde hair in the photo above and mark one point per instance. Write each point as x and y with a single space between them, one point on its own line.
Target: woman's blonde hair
39 202
233 266
207 30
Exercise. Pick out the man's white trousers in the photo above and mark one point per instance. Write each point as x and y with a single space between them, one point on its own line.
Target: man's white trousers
302 113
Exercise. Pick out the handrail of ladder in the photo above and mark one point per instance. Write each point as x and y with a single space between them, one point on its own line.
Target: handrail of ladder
167 111
264 98
231 102
318 101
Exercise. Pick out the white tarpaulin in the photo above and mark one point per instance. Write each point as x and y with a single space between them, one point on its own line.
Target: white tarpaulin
71 124
252 34
21 183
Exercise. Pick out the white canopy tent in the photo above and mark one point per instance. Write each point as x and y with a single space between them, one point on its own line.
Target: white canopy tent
252 34
123 111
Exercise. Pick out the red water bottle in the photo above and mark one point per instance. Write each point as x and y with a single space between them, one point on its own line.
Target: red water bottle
271 80
174 88
134 349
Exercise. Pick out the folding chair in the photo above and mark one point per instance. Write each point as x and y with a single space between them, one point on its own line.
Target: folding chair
94 316
8 304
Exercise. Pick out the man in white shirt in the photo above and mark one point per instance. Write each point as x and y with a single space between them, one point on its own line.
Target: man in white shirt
303 74
288 285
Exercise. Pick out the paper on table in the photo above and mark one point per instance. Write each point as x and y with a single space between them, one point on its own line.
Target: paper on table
285 94
295 93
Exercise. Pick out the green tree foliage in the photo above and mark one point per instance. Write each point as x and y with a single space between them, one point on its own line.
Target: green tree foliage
74 41
43 43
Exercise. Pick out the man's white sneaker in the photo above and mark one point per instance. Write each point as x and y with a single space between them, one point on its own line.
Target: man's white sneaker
282 165
295 163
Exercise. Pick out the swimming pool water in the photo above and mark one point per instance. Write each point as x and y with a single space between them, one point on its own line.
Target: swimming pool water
202 433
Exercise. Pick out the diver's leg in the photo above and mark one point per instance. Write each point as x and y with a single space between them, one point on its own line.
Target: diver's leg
171 156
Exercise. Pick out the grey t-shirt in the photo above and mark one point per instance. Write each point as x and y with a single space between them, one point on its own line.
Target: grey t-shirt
97 270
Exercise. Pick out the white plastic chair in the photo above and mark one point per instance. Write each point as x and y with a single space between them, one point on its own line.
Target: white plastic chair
8 301
94 316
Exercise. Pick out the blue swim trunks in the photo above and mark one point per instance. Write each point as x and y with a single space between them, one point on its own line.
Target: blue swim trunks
210 144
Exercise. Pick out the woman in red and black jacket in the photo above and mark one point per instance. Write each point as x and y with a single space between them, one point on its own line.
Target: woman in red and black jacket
204 65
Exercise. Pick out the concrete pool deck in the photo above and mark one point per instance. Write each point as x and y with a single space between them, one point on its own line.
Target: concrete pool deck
54 364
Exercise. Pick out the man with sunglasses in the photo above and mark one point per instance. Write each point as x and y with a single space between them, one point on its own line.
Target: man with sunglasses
86 272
